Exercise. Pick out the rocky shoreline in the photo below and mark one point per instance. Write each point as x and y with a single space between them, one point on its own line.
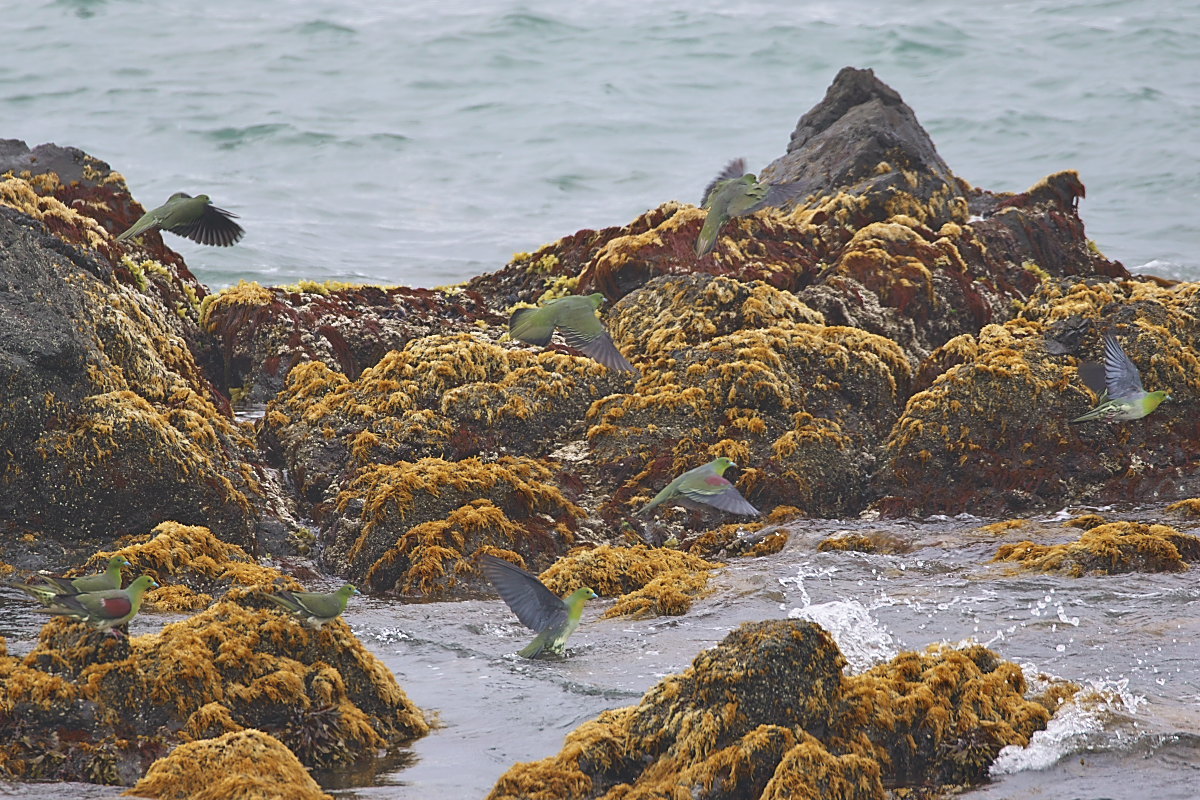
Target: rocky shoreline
895 342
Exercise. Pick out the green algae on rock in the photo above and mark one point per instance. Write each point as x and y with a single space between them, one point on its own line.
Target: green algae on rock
769 713
1109 549
248 765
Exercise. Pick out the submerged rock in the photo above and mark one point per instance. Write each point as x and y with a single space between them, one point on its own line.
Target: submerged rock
769 713
1110 549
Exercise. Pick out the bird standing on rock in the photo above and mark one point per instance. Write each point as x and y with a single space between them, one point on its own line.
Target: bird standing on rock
1124 397
52 587
314 609
538 608
735 193
704 486
195 218
575 317
103 610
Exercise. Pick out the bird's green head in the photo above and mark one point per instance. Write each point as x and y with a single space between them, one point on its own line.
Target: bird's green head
143 583
203 198
579 595
722 463
597 300
116 562
1154 398
347 590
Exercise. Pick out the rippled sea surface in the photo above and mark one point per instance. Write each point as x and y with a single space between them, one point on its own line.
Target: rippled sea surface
425 142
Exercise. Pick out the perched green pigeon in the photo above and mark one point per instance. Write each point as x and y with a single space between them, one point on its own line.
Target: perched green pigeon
575 317
538 608
1124 397
195 218
105 609
314 609
704 485
735 193
52 587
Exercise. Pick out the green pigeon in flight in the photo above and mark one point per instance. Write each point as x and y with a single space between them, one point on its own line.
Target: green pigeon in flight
1124 397
52 587
106 609
538 608
314 609
704 486
575 317
195 218
735 193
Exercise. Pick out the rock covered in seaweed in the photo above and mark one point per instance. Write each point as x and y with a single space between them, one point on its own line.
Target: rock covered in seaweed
769 713
248 765
992 433
265 332
1109 549
125 702
102 403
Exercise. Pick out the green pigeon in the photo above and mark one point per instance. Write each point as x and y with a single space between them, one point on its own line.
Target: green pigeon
1124 397
735 193
314 609
195 218
575 317
105 609
538 608
704 485
52 587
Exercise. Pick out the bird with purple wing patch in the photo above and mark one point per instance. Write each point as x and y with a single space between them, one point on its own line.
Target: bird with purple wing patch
105 609
736 193
705 485
575 318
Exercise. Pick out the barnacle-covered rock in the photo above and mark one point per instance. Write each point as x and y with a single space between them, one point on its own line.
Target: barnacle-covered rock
769 713
102 403
746 371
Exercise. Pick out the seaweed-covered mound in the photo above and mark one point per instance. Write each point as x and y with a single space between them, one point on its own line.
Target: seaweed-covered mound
747 371
768 713
265 332
649 581
247 765
102 403
1109 549
993 432
192 566
84 706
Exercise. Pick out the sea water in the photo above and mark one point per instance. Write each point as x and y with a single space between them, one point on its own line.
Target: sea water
422 142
